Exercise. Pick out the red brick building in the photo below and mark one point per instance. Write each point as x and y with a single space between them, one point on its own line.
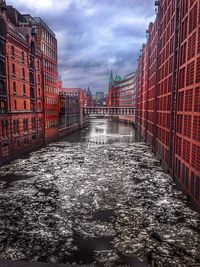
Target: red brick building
21 91
113 91
47 43
168 96
80 93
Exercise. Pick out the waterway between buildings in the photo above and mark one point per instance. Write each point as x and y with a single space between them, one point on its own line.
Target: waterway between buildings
96 197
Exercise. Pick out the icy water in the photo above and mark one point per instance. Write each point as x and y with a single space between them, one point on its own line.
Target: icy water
97 198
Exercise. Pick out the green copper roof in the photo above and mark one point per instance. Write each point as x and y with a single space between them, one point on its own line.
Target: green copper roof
118 78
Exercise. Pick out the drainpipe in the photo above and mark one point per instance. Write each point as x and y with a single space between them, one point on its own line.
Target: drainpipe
9 94
173 108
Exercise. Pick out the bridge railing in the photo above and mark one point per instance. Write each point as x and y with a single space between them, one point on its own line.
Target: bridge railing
110 110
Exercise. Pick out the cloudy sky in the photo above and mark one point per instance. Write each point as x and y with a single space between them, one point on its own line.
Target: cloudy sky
94 36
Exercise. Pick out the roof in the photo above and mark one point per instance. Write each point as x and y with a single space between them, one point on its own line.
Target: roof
40 21
15 31
118 78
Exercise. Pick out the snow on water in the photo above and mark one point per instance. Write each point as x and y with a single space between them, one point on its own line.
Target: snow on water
107 205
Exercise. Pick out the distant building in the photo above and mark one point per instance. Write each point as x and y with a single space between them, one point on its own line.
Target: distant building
114 91
69 113
104 103
80 94
99 96
88 98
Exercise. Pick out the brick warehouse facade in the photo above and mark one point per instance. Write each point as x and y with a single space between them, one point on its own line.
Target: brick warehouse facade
21 93
47 43
168 96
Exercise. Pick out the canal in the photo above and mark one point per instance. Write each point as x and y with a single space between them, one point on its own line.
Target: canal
96 197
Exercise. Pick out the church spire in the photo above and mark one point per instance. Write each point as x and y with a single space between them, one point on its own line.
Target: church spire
111 76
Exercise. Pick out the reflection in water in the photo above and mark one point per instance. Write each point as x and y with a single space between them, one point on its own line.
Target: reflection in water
104 131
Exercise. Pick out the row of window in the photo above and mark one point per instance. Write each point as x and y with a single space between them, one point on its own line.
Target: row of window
49 52
32 105
24 89
16 126
49 38
51 124
69 93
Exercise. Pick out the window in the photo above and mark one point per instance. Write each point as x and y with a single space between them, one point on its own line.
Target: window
14 88
23 58
25 125
31 78
17 126
24 89
12 51
2 88
2 67
14 127
24 105
2 107
33 120
15 104
23 73
13 69
32 48
32 106
4 129
32 93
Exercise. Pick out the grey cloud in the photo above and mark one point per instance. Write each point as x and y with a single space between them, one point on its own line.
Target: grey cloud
95 37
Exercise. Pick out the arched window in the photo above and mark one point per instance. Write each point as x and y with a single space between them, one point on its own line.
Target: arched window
2 28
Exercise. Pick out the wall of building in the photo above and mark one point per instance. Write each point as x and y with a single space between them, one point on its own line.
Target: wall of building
168 94
21 97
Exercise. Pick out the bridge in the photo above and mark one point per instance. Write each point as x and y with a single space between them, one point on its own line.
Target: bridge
109 110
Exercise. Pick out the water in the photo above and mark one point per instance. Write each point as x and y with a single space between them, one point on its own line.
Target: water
104 131
97 198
